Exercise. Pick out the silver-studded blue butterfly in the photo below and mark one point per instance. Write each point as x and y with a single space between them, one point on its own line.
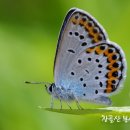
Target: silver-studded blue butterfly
88 66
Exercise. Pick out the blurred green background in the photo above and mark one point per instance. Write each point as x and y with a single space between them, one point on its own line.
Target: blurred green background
28 37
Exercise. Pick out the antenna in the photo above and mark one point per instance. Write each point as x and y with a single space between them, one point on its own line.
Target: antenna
45 83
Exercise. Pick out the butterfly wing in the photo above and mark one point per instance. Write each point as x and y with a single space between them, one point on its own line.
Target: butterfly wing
79 31
86 61
100 72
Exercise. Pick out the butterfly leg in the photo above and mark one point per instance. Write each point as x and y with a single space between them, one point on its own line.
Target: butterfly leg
78 105
60 104
68 105
52 102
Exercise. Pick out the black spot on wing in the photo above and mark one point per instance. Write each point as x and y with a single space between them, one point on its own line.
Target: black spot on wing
72 51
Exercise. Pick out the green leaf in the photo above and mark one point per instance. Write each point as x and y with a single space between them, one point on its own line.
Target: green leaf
107 110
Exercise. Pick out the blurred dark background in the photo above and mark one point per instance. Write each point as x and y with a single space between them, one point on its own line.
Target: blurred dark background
28 37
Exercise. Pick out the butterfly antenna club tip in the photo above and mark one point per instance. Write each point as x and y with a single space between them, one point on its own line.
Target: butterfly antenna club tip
27 82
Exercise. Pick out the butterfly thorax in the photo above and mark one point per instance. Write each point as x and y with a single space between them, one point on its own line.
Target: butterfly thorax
60 93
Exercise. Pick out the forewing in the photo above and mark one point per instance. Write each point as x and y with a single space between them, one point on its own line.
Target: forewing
79 31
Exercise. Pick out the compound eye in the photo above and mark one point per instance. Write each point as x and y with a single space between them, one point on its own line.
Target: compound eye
50 88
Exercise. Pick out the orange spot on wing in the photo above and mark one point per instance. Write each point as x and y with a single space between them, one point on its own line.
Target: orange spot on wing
110 73
109 81
98 50
110 57
90 50
110 66
95 37
106 53
81 22
74 21
109 88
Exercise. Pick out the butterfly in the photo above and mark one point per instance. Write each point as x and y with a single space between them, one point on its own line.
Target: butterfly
88 66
